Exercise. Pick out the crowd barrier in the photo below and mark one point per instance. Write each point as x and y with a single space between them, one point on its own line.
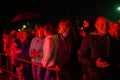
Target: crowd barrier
20 59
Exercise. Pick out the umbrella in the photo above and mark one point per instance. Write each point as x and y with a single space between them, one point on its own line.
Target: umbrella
26 16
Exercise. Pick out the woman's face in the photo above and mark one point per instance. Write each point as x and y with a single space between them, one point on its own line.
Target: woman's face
39 32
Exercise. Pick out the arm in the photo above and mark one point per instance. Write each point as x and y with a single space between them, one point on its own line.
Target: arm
31 48
47 51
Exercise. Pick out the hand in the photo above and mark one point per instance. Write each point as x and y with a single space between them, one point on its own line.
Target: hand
37 54
57 67
101 64
32 55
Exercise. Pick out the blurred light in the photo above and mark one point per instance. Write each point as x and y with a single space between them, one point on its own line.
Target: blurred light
24 26
19 29
118 8
4 30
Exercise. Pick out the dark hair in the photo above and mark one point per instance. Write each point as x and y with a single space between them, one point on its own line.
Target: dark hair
49 28
88 19
73 30
66 22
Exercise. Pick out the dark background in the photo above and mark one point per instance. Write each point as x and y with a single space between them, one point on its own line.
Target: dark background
53 10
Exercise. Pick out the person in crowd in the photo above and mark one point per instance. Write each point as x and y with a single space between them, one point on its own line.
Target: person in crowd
67 47
49 51
114 29
7 41
36 52
87 26
86 29
99 52
5 38
35 27
3 43
15 51
27 69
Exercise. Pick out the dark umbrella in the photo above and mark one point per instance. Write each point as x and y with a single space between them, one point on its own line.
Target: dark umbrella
26 16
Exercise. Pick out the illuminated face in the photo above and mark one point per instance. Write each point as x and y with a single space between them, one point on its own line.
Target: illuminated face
39 32
101 25
86 24
62 28
113 30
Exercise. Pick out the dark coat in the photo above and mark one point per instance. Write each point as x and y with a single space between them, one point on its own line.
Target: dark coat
67 56
25 48
95 46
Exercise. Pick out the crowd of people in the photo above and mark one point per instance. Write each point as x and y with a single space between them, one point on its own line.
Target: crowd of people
90 52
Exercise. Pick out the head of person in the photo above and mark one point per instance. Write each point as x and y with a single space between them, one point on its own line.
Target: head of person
114 29
64 26
39 32
48 29
13 34
25 33
101 25
87 21
110 24
36 26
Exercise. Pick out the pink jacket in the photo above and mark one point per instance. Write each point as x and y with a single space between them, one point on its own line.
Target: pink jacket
49 50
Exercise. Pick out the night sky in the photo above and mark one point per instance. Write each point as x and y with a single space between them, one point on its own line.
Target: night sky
53 10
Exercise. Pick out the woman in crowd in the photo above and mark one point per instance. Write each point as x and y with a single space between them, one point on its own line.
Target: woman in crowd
49 51
36 52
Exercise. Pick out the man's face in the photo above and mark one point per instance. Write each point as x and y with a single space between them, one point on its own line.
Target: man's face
39 32
62 28
101 25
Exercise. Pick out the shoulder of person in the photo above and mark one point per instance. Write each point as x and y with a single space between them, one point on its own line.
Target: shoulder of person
91 37
93 33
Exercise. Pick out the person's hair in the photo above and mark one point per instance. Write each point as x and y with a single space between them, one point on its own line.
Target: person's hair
104 17
65 22
88 19
37 26
73 29
49 28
